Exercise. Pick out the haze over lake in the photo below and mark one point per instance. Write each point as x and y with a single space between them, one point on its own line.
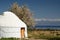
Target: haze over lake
47 23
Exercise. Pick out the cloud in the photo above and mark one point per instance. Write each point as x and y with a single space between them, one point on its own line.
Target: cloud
44 19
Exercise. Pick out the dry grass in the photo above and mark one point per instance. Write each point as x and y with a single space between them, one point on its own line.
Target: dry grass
43 34
39 35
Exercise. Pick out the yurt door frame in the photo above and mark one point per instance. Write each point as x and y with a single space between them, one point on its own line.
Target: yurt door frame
22 32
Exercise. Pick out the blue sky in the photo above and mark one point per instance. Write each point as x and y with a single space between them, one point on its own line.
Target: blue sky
40 8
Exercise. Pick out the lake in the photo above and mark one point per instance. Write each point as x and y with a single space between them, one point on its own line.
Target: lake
46 27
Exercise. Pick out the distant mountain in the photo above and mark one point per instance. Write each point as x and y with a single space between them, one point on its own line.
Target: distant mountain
48 22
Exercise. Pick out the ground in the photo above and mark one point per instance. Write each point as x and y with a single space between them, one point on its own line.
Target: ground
40 35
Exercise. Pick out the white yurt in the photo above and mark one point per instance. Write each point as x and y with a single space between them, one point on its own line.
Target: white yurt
11 26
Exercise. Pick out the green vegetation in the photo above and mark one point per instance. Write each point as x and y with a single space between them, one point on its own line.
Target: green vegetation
12 39
9 39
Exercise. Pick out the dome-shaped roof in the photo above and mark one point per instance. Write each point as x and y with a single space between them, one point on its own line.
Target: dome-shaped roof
9 19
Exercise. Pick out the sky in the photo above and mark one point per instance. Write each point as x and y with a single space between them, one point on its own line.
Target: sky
49 9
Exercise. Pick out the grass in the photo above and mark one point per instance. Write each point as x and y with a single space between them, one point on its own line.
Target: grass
9 39
39 34
54 38
44 34
12 39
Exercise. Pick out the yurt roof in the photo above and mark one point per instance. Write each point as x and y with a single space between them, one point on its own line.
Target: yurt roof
9 19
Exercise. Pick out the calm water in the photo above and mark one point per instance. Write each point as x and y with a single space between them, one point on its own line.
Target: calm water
47 27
